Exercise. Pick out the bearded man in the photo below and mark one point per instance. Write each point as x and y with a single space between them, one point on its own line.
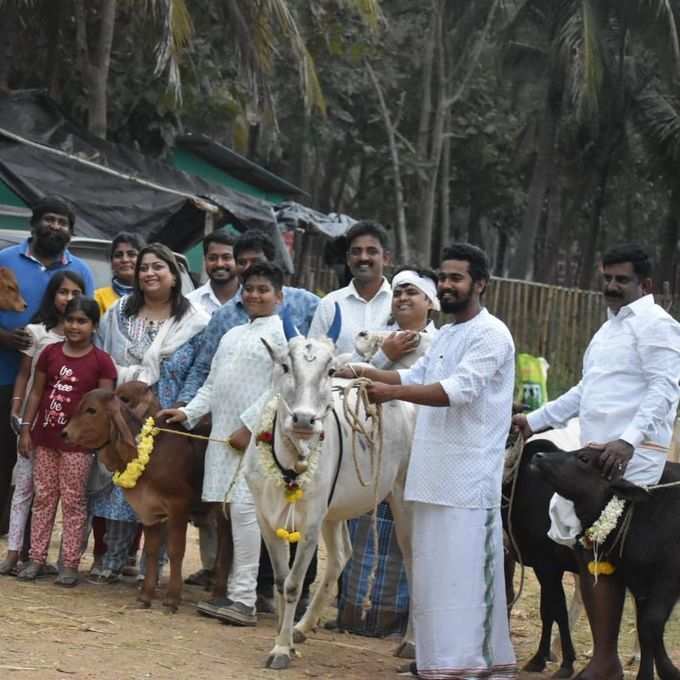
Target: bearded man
464 385
33 262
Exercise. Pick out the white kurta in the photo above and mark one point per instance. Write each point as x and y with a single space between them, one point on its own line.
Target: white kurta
454 477
458 452
629 390
237 388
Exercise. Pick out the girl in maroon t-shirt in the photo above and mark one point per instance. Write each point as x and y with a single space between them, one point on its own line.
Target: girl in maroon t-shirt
64 373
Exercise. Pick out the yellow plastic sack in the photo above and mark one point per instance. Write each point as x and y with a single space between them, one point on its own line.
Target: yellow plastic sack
532 380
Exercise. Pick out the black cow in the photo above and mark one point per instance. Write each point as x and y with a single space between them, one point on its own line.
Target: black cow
530 524
650 563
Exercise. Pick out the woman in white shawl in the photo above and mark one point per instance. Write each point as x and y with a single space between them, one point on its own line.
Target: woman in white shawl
153 335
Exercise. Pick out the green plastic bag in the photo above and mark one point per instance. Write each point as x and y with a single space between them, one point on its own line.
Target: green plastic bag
532 380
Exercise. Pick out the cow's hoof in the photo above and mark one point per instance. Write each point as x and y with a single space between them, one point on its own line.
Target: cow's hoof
535 665
298 636
406 650
278 662
143 604
563 672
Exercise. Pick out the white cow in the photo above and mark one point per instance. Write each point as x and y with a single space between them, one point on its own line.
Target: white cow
309 417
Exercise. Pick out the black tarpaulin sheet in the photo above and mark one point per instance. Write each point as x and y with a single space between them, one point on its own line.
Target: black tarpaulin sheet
106 203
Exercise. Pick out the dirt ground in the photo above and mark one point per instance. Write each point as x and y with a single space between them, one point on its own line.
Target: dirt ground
97 631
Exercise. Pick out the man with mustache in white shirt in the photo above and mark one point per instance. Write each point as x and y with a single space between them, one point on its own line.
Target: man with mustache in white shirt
627 402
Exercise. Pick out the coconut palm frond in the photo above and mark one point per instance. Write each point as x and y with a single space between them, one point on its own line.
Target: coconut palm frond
176 32
657 118
580 46
670 14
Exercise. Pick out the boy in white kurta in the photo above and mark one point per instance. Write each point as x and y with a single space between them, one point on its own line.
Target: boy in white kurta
236 390
464 385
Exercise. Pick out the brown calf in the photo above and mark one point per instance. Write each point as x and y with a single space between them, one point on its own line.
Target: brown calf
164 493
139 397
10 295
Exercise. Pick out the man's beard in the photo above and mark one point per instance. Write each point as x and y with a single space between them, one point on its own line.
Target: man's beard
454 306
222 282
50 243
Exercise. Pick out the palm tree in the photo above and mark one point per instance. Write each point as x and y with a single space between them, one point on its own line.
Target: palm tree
589 48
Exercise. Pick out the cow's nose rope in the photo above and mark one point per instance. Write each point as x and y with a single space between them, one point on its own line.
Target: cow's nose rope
374 437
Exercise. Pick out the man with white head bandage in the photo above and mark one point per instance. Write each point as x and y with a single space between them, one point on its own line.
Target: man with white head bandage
409 332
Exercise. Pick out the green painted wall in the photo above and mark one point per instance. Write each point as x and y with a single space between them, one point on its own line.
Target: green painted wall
189 162
8 197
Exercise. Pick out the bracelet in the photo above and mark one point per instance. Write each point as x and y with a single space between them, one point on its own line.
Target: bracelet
24 422
17 398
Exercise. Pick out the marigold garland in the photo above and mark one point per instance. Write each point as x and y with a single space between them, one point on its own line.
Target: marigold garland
135 468
293 490
603 568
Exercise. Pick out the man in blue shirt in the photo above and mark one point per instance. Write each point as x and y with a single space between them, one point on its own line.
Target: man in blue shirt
300 305
33 262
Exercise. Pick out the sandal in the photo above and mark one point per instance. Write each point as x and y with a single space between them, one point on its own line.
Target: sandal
30 572
68 578
7 566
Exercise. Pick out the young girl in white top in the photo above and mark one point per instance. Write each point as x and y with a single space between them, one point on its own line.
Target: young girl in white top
47 328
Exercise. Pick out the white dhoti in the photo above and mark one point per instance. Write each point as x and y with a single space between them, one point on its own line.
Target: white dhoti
459 605
645 467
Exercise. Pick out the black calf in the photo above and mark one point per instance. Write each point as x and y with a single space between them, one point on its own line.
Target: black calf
530 524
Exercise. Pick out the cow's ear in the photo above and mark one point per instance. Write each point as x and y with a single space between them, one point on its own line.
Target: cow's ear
630 492
278 356
121 436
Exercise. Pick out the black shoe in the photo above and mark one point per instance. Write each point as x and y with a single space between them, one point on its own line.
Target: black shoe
211 607
237 614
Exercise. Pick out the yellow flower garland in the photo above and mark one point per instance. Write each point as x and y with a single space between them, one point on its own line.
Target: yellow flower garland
135 468
605 568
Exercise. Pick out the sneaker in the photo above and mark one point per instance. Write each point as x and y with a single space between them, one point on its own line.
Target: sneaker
237 614
202 578
211 607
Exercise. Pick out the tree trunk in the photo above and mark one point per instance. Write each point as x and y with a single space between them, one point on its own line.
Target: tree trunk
537 189
669 233
474 221
589 253
55 14
445 218
8 36
95 61
401 233
547 265
501 250
330 173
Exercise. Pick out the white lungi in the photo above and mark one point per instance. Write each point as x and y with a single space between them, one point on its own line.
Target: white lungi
645 467
459 605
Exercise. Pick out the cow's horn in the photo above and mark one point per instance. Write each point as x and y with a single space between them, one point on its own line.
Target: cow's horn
289 328
334 330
